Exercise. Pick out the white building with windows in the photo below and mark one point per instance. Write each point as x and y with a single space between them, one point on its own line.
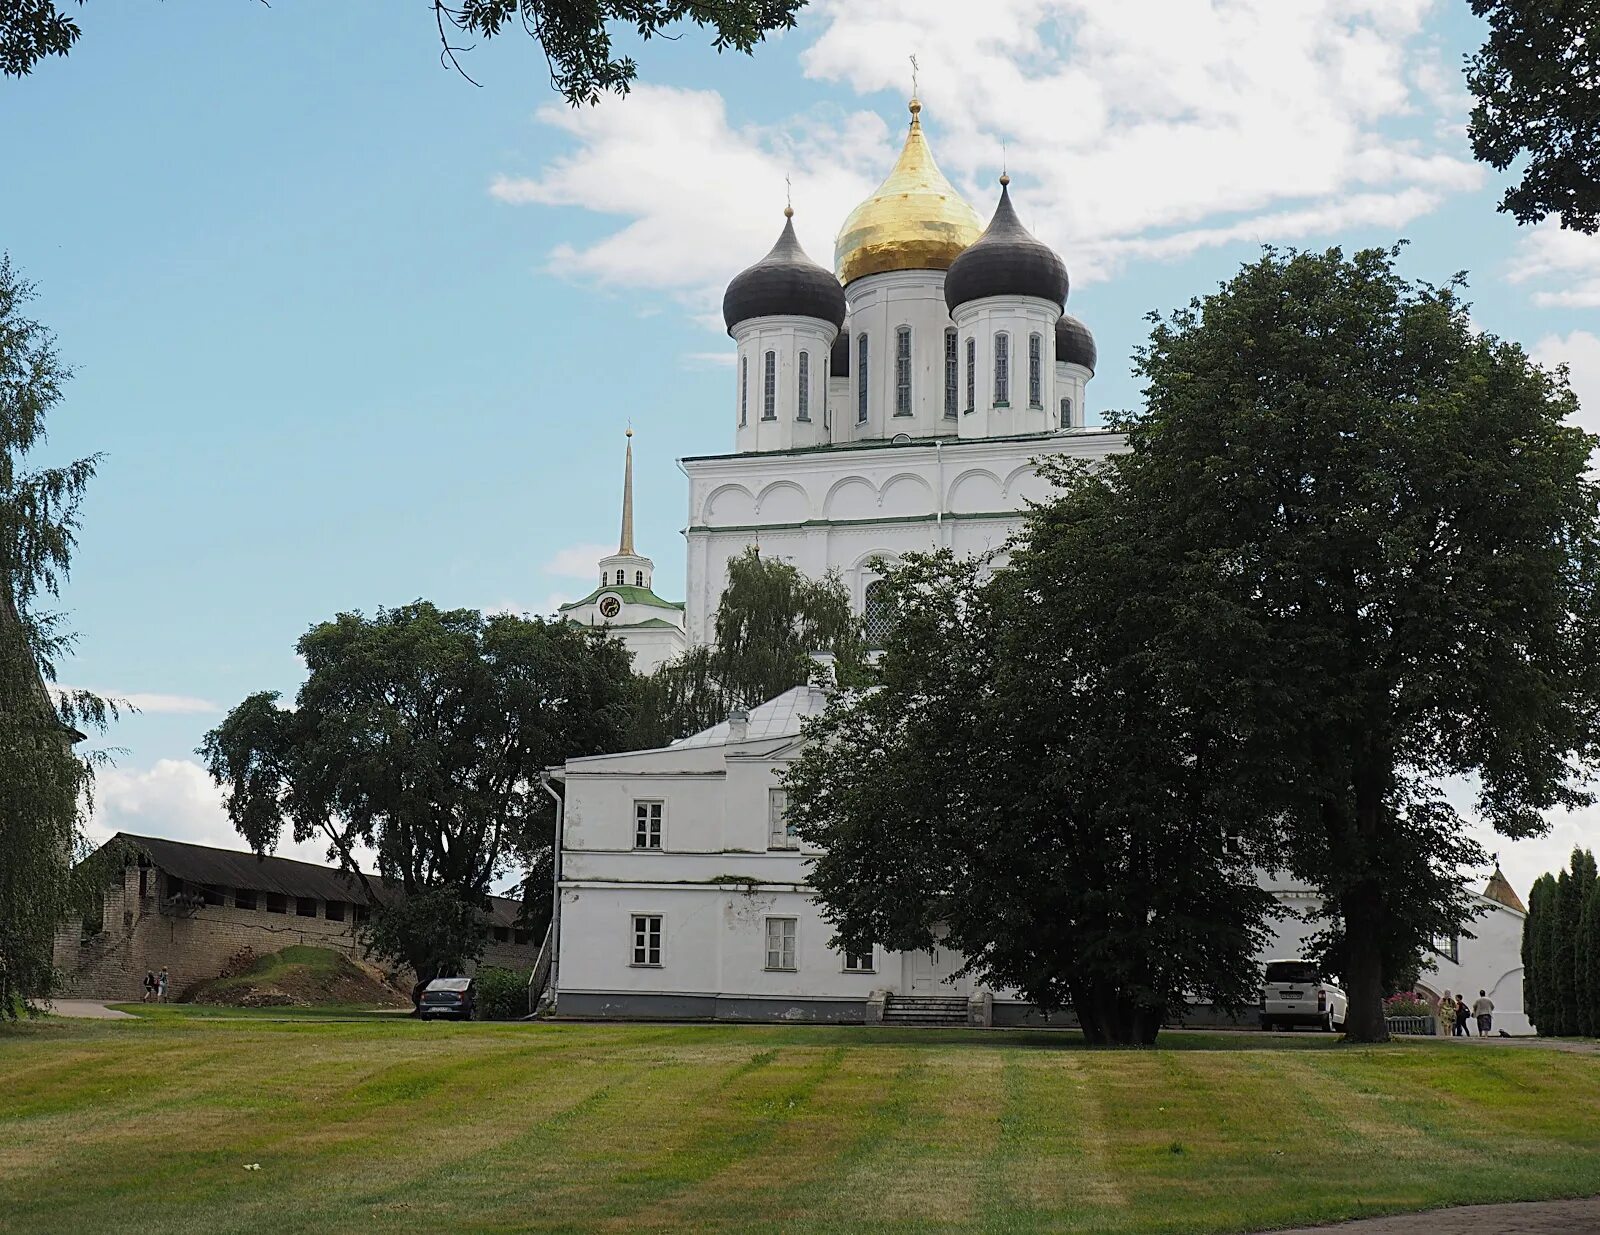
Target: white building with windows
895 404
683 892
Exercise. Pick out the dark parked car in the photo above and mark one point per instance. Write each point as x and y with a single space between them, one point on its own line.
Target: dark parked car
450 997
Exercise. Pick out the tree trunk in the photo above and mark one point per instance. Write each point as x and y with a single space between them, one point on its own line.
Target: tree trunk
1363 907
1109 1018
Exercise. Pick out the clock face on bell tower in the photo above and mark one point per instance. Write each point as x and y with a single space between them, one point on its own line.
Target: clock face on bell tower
610 606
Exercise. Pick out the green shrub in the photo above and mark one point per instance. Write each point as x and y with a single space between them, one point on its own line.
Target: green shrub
502 994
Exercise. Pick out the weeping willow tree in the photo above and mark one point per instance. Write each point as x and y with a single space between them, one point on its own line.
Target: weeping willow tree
44 783
771 619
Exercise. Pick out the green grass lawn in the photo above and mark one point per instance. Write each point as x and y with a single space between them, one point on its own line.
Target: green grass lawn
385 1124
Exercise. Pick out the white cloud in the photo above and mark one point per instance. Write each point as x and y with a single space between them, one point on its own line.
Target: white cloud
175 799
1548 254
1580 352
159 704
577 561
709 360
517 608
1143 130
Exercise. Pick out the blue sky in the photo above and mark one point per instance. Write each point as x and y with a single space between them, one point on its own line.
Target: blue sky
350 330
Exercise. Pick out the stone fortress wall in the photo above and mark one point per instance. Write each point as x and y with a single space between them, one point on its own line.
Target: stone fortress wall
143 928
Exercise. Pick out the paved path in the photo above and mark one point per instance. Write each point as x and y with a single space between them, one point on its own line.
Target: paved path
1525 1218
88 1010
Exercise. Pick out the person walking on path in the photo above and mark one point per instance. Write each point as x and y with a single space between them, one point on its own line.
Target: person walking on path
1463 1026
149 986
1483 1009
1447 1015
162 981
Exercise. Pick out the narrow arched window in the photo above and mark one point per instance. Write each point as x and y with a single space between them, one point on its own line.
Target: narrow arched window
769 386
744 390
621 575
1035 371
803 388
877 612
861 379
952 374
902 371
1066 413
972 374
638 578
1002 370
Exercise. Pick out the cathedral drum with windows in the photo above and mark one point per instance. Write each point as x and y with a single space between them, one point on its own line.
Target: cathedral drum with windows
898 402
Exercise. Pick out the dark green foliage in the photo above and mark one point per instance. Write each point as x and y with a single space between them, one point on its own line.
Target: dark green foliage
30 30
575 35
770 620
1560 956
1385 540
1535 84
1024 786
1536 999
502 994
1574 887
1564 912
1586 953
421 733
44 785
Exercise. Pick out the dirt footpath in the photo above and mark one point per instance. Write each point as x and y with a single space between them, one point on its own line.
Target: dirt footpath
1523 1218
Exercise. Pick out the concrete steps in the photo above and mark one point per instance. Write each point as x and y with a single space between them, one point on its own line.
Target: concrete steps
925 1010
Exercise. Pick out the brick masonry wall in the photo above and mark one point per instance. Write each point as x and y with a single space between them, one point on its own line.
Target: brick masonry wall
194 945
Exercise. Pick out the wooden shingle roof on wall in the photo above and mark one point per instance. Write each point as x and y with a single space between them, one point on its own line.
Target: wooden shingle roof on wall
232 868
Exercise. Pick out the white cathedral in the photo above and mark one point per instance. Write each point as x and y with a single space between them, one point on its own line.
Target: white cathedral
896 404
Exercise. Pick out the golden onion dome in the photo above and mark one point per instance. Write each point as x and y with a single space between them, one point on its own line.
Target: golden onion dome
914 221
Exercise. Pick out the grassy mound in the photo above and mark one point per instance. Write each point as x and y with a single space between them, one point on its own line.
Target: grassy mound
299 976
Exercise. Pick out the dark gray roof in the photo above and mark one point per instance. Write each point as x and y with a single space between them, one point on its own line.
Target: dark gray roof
784 283
1007 260
230 868
1074 343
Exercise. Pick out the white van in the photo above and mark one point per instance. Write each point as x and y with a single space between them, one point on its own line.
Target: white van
1293 993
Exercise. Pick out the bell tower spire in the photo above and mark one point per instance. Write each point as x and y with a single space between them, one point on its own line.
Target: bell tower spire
625 546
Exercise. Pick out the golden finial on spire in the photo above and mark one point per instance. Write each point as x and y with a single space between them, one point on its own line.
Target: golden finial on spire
788 199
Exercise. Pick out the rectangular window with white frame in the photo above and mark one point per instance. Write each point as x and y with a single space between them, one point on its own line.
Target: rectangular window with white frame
780 832
780 943
647 818
902 371
859 962
804 387
1002 370
952 371
647 940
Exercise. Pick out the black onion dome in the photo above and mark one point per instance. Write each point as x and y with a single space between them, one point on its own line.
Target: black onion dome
1007 260
1074 343
784 283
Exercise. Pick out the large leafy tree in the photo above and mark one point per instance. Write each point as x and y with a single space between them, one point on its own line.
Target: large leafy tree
575 35
1396 511
44 784
1537 85
1026 786
770 621
420 734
